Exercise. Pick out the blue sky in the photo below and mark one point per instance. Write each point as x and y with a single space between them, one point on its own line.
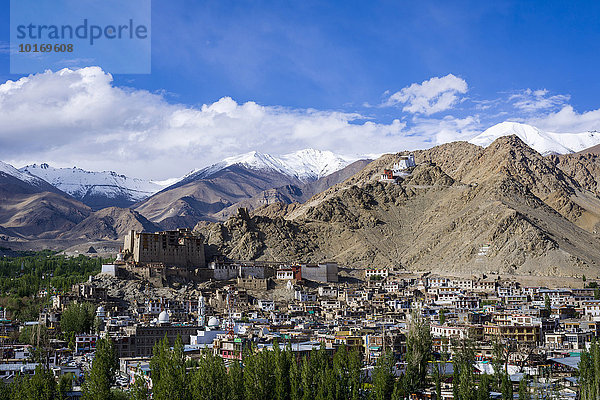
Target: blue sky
315 63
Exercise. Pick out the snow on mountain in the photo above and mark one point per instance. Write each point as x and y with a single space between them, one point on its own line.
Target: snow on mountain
81 184
310 164
24 176
543 142
306 165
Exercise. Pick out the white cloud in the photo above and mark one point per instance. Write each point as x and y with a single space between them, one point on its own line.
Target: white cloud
78 117
536 100
568 120
447 129
431 96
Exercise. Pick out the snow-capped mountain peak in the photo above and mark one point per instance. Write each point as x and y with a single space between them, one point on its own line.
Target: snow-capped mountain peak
543 142
305 165
311 164
24 176
84 185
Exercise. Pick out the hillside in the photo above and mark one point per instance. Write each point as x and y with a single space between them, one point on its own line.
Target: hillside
202 199
289 194
459 200
35 209
110 223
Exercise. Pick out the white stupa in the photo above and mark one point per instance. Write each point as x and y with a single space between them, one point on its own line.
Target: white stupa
163 317
213 323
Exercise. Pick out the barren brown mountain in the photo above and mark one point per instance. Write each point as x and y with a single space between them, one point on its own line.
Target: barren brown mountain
219 195
36 211
111 223
463 209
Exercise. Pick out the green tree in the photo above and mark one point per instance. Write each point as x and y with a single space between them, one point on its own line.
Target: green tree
383 377
547 303
210 381
139 390
65 385
589 373
101 376
483 389
167 368
295 381
341 369
356 376
442 316
506 387
524 393
307 378
235 377
498 362
596 294
40 386
77 318
259 375
437 378
418 353
463 380
34 335
400 392
4 391
118 394
19 388
282 372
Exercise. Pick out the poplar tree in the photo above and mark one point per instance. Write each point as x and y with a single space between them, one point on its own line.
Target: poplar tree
282 372
209 381
65 384
259 376
295 381
463 379
235 378
383 377
139 390
589 373
167 368
356 376
483 390
506 387
101 376
524 393
418 353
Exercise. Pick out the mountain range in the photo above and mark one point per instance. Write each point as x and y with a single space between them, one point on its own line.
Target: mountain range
205 194
96 189
530 197
500 209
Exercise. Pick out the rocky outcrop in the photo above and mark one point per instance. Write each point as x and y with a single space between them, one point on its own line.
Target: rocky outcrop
507 198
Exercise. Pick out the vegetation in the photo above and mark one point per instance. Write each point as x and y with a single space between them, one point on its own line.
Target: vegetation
524 393
40 386
77 318
101 376
589 373
265 375
442 316
418 353
463 380
547 303
23 277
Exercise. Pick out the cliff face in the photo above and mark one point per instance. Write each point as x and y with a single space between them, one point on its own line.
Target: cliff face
535 218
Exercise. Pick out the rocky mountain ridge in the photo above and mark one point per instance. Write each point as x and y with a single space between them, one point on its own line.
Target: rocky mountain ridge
528 215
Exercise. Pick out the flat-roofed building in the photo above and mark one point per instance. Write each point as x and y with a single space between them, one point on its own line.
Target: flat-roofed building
178 248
